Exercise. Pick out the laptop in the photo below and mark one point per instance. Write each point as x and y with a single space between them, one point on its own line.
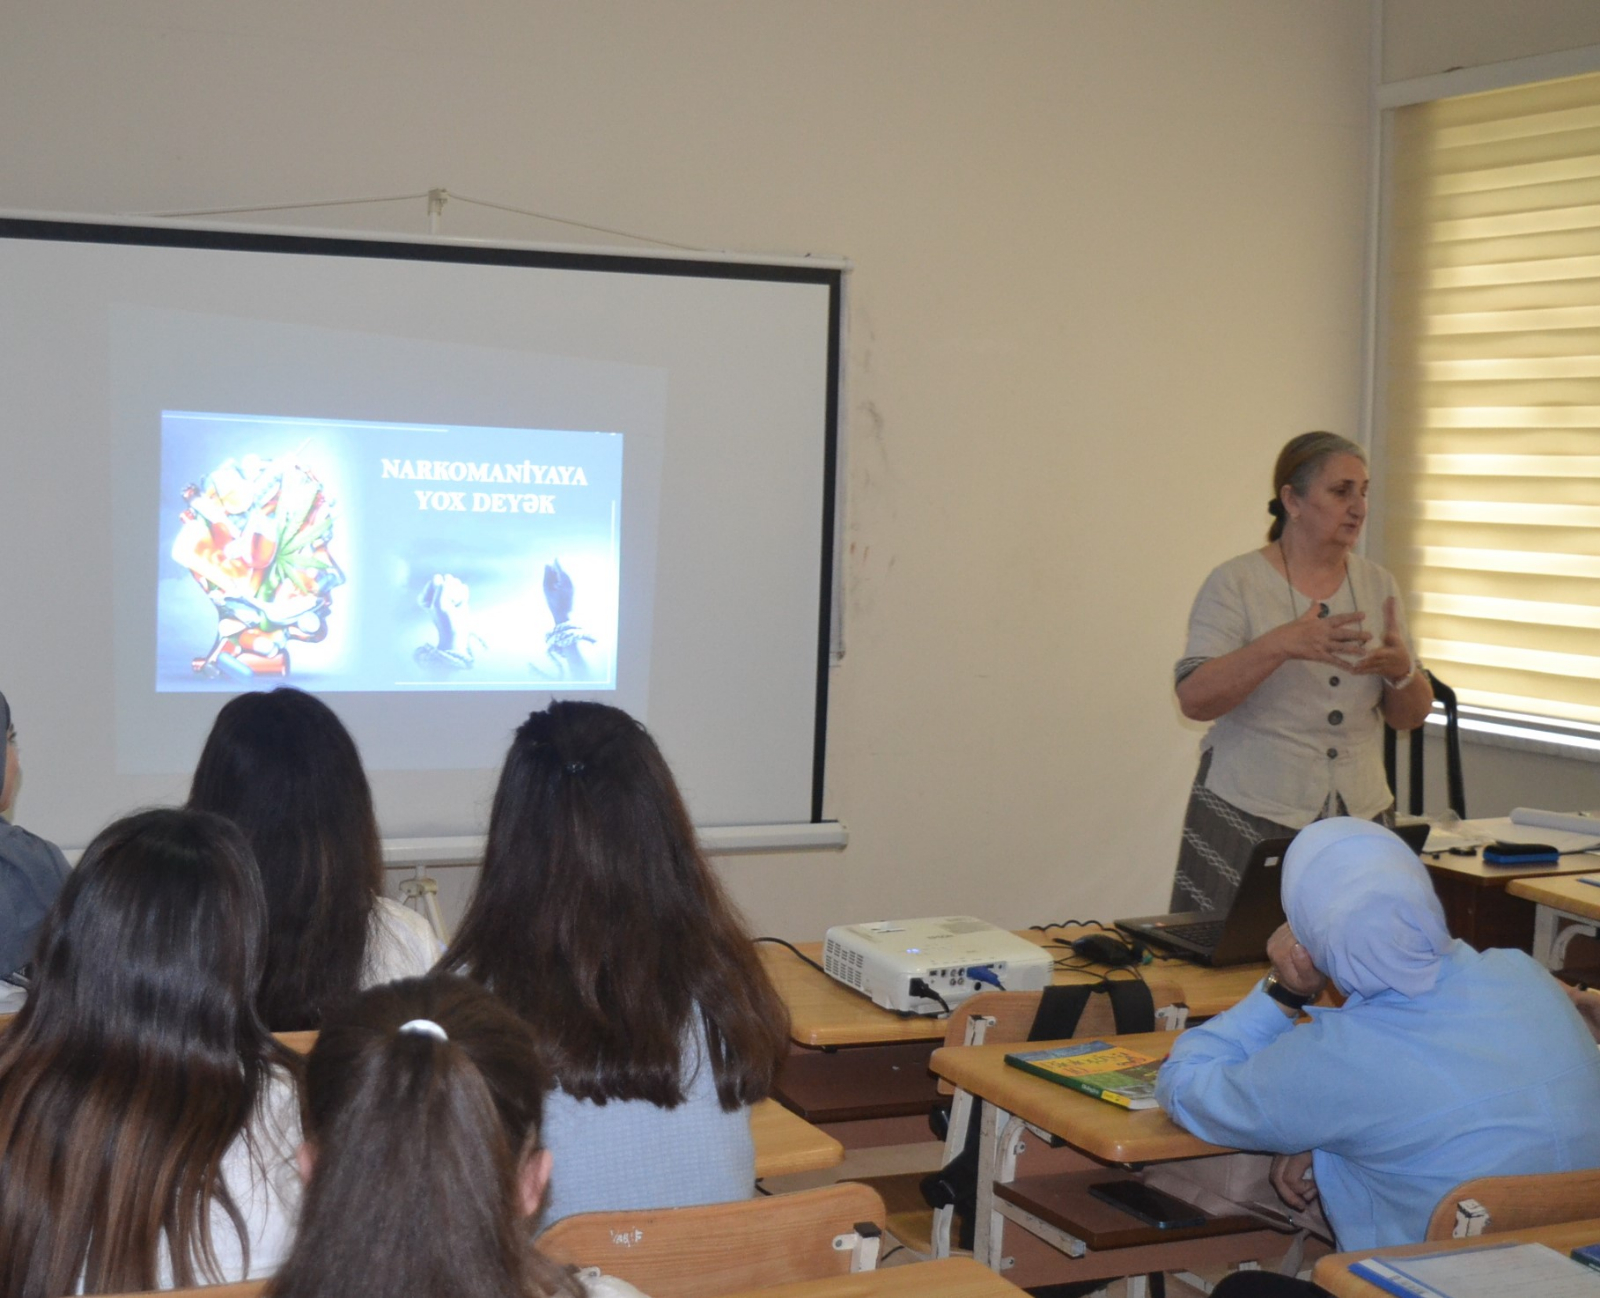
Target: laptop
1238 935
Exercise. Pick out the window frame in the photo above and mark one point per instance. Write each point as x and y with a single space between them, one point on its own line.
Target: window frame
1547 735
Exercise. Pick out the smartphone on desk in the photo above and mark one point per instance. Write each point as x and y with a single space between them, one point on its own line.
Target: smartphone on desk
1151 1206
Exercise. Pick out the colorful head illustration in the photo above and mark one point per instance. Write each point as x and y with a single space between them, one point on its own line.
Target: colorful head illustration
255 537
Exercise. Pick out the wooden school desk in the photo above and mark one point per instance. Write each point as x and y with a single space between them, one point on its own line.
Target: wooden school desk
1564 908
1482 908
1111 1136
956 1277
785 1143
865 1068
1333 1272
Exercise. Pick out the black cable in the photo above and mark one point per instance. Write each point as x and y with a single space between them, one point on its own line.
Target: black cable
801 954
919 987
1072 923
1110 974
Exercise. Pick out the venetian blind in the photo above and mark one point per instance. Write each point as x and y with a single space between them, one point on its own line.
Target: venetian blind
1492 428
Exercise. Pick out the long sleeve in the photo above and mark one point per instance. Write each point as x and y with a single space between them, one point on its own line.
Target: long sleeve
1401 1098
1230 1081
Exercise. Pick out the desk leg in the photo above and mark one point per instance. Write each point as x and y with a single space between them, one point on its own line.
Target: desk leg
1000 1141
987 1228
1551 940
1545 923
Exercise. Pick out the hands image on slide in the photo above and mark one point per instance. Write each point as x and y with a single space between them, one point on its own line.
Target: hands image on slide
563 643
447 597
464 557
255 539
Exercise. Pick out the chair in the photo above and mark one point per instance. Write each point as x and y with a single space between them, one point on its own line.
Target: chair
239 1289
1517 1202
1455 784
299 1042
725 1248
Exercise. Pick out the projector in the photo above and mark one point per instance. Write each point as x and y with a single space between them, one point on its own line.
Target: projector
898 963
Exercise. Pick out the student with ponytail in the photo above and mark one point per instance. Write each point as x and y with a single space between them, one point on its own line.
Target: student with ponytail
599 921
422 1158
148 1121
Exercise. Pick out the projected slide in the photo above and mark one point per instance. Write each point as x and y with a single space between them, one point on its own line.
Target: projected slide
338 555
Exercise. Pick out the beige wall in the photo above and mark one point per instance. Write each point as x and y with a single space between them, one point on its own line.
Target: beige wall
1108 256
1423 37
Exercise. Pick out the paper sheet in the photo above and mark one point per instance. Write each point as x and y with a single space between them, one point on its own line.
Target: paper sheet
1513 830
1494 1272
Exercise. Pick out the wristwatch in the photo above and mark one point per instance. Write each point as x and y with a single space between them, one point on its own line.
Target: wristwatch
1288 999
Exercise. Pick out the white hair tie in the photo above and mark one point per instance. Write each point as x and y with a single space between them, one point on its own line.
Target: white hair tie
425 1028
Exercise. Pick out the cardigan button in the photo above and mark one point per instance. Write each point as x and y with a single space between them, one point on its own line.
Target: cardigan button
1335 717
1333 752
1333 680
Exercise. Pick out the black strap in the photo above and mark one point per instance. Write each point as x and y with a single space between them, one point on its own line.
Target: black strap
1059 1010
1133 1009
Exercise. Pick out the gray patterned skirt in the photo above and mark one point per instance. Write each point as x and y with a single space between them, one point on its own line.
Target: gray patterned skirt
1217 841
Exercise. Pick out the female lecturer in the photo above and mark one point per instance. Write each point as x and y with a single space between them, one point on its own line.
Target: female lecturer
1297 654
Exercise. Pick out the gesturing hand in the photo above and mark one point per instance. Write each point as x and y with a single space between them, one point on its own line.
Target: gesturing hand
1390 658
1336 639
1292 963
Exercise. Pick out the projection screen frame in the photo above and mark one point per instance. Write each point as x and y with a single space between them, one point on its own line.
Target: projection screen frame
828 272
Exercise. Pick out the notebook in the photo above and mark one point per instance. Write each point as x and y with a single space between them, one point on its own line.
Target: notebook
1238 935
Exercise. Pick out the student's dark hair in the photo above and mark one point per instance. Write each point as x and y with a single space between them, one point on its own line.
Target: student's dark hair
598 919
419 1143
1297 466
284 769
136 1062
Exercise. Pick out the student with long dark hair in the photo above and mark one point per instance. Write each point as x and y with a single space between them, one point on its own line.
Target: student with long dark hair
422 1158
148 1120
598 920
283 768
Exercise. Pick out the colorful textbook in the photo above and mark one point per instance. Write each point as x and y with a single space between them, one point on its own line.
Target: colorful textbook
1111 1073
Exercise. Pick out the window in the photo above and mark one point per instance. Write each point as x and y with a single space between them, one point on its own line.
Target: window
1490 403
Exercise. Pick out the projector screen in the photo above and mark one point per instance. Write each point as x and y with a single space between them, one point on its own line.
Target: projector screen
436 484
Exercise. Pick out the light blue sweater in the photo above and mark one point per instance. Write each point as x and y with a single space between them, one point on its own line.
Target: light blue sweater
1491 1073
630 1154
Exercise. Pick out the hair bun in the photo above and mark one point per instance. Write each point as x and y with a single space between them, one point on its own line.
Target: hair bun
1276 509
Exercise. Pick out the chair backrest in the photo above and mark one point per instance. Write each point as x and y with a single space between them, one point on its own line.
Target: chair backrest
721 1248
1455 781
299 1042
240 1289
1517 1202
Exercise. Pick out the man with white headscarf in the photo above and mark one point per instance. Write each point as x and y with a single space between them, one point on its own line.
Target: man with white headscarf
1443 1064
31 873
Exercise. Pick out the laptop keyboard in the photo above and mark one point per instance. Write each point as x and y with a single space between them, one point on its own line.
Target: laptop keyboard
1206 933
